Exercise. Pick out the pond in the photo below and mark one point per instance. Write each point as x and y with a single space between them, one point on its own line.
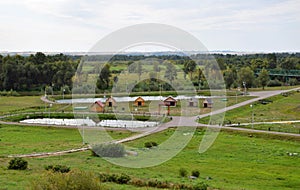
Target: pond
126 99
89 122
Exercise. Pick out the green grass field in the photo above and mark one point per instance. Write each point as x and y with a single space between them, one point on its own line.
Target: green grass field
235 161
281 109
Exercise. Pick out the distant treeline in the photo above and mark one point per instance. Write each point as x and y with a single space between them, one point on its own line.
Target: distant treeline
38 72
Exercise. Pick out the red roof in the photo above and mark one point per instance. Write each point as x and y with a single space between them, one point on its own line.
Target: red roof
99 103
170 99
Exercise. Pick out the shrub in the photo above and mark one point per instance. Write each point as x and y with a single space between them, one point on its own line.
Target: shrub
120 179
123 179
18 164
182 172
150 144
74 180
195 173
138 182
200 186
108 150
58 168
275 82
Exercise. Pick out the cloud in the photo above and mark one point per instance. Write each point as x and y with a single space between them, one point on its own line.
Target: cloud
64 20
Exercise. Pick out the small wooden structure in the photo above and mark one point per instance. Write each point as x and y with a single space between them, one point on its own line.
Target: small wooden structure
208 103
193 102
170 101
98 106
139 101
110 102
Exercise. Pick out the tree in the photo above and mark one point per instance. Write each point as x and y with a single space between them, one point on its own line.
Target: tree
139 70
39 58
290 63
103 81
171 72
189 67
246 75
229 77
263 78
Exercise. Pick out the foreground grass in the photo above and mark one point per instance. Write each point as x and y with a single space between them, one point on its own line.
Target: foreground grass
25 139
235 161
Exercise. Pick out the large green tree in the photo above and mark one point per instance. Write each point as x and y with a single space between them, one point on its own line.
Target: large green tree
230 76
246 75
171 72
263 78
103 81
189 67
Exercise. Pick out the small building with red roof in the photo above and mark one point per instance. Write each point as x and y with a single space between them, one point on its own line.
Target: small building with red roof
170 101
97 106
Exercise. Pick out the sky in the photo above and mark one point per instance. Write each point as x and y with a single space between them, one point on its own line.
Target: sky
76 25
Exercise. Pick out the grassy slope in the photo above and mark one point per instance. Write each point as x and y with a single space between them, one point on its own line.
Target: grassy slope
9 104
282 109
235 161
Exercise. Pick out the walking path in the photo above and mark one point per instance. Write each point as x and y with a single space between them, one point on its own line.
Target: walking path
184 121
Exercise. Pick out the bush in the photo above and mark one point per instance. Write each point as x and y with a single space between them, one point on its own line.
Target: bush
273 83
293 81
200 186
18 164
123 179
150 144
195 173
120 179
74 180
58 168
138 182
108 150
182 172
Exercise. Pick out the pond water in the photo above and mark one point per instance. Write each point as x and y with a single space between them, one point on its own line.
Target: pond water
89 122
126 99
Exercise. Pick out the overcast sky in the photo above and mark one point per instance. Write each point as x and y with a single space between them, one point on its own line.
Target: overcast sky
76 25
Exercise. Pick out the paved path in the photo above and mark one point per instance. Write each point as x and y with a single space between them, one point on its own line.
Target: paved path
46 100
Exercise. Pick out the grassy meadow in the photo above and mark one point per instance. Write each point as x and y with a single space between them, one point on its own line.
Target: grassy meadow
281 108
235 160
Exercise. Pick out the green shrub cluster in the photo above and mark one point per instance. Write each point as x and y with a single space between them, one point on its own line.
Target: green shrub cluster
125 179
18 164
74 180
195 173
167 185
58 168
150 144
9 93
183 172
108 150
120 179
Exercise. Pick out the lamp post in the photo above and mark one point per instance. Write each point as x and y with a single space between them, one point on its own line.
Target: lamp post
251 106
244 84
236 96
50 105
63 91
160 86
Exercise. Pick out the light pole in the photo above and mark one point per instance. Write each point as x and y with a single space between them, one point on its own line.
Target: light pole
244 84
160 91
50 105
63 91
236 96
251 106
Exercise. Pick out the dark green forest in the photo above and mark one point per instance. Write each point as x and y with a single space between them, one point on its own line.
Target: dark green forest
39 72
